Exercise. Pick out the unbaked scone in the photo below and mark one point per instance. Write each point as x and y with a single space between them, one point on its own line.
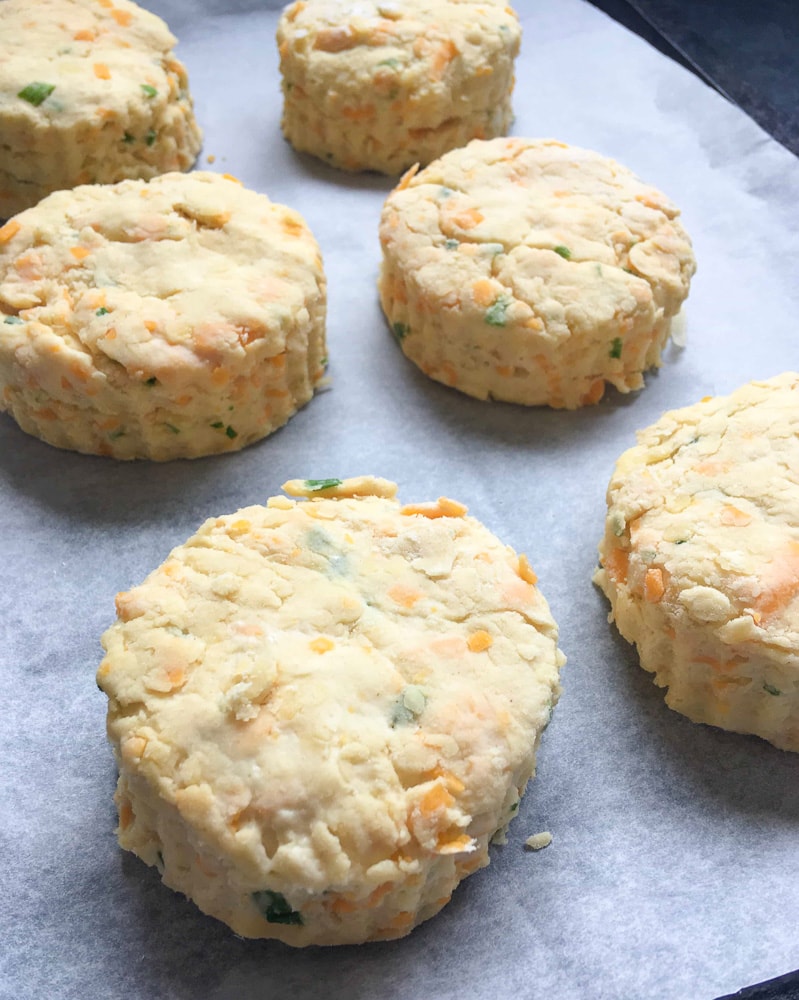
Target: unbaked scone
532 272
381 86
700 559
323 711
169 319
90 92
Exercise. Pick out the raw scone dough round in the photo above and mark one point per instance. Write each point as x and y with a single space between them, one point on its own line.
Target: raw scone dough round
700 559
169 319
323 710
90 92
532 272
381 86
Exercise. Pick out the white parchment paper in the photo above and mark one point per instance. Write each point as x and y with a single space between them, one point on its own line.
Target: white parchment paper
672 873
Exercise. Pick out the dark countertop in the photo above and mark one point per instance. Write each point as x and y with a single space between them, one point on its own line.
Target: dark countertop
749 51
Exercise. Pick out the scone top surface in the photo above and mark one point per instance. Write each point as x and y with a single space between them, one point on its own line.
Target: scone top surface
90 91
700 557
172 318
532 271
381 85
339 698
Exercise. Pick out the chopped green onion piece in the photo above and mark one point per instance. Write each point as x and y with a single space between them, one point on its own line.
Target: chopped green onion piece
615 347
275 908
128 138
400 330
314 485
218 425
231 432
495 314
323 362
116 434
393 63
175 430
771 690
563 251
13 320
445 192
102 311
452 244
36 92
152 380
514 807
627 269
408 706
148 90
150 137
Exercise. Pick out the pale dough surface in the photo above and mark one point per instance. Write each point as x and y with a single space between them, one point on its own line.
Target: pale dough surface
169 319
533 272
325 708
90 92
700 558
381 86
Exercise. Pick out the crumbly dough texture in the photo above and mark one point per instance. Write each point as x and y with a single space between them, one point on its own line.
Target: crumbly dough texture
323 710
106 98
700 559
381 86
532 272
169 319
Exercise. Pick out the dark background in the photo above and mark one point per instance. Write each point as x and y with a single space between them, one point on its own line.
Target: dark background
747 49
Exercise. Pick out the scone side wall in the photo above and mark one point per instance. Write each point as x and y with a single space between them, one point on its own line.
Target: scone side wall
700 558
170 319
339 705
114 104
387 89
532 272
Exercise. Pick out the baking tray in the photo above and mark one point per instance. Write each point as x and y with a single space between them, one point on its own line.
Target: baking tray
670 875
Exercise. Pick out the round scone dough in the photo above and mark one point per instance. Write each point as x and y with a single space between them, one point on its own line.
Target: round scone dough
90 92
169 319
700 559
381 86
532 272
323 710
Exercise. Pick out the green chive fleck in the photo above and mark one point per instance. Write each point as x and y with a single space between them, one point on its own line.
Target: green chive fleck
445 192
563 251
323 362
152 380
231 432
150 137
514 807
275 908
13 320
148 90
36 92
615 347
627 269
175 430
102 311
771 690
128 138
452 244
393 63
315 485
218 425
495 314
116 434
400 330
410 704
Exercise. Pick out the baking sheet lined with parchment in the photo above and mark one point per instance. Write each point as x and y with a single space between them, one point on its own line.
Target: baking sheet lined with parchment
671 872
